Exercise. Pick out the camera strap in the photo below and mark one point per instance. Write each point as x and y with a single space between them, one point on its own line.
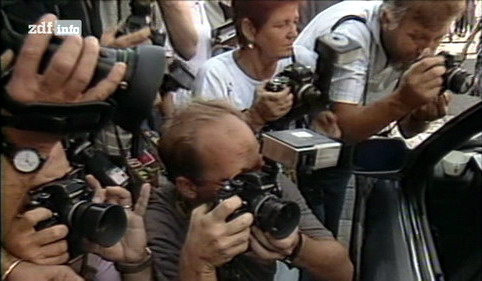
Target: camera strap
54 118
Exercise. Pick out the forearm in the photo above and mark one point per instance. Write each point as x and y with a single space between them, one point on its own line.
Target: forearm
182 32
325 260
358 123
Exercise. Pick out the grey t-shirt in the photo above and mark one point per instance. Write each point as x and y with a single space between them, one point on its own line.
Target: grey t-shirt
167 227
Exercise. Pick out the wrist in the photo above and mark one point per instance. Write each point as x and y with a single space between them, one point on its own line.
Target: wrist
401 104
254 119
44 143
193 263
11 267
135 267
295 252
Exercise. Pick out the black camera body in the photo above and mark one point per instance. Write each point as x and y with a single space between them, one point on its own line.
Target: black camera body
457 79
261 195
306 97
70 202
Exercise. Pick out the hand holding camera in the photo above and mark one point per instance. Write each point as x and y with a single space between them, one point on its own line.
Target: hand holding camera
132 247
46 246
422 82
267 247
211 240
271 105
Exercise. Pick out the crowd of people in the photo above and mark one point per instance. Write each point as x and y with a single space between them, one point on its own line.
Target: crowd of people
176 225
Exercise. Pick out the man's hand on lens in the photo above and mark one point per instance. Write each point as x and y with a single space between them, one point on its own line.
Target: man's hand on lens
45 246
132 247
26 271
211 240
268 248
270 106
68 74
422 82
139 37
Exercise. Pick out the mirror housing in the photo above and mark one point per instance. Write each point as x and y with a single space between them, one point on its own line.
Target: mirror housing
379 157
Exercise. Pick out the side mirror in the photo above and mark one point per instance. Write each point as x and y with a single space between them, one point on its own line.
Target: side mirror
379 157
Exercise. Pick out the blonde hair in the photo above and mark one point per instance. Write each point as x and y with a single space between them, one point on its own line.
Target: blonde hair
429 13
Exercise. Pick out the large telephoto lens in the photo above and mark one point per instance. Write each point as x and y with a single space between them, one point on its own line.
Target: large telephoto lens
277 217
101 223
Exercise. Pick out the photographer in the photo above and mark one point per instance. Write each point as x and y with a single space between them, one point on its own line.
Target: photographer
28 253
395 77
266 31
203 146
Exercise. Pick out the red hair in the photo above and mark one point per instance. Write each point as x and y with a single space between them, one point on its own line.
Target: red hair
257 11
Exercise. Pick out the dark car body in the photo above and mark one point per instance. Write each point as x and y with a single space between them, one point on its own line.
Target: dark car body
411 221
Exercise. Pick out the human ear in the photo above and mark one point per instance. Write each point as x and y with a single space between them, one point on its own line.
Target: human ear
186 188
248 29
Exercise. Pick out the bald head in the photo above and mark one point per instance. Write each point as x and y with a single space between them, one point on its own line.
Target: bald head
197 127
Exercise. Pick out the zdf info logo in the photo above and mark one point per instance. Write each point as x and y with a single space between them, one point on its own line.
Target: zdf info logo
59 28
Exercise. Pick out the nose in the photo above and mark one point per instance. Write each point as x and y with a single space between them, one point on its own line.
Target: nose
293 31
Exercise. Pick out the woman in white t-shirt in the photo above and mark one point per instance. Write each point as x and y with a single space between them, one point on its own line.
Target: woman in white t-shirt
266 31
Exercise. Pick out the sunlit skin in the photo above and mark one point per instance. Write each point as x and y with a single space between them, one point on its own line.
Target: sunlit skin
228 148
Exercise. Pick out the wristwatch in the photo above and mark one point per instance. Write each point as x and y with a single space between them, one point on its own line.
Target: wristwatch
24 160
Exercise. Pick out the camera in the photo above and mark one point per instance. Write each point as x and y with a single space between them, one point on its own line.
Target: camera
261 194
70 202
306 97
140 17
311 91
457 79
133 99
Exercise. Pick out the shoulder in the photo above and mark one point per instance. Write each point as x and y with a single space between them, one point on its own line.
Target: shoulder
218 65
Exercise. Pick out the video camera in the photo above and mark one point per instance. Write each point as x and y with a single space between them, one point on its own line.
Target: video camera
261 193
70 202
130 104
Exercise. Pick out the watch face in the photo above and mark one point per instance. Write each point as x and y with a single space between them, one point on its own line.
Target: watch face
26 160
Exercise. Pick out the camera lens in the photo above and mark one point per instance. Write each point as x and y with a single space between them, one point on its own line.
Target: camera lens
104 224
459 81
279 218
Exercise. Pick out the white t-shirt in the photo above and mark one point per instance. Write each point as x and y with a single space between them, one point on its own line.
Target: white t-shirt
221 78
349 79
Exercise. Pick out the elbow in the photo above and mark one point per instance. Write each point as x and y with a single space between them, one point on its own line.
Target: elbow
187 51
